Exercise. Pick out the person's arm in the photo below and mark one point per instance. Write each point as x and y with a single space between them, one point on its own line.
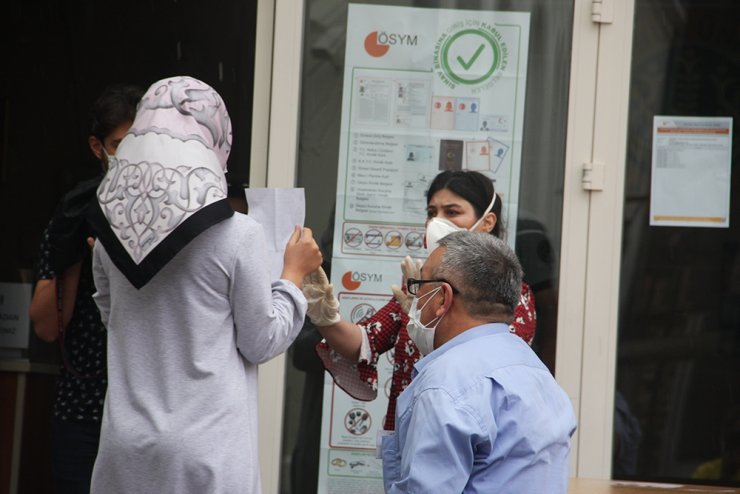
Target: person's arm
43 309
358 376
302 256
268 316
381 330
524 324
102 283
344 337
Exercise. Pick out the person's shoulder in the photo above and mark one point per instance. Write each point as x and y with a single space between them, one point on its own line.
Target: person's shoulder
230 233
83 190
239 223
486 354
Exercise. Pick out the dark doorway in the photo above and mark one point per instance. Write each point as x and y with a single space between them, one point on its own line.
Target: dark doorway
57 57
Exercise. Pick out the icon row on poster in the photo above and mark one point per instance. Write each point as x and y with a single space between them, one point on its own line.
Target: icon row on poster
374 238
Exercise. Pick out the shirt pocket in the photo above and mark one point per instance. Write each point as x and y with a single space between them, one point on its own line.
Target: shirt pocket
391 460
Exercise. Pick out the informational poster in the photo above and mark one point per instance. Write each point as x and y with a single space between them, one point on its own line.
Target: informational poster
15 299
425 90
349 426
691 171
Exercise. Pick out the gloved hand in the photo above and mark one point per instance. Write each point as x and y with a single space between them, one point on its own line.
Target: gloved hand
411 268
323 306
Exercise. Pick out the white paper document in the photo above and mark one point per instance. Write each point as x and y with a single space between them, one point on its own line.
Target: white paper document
691 171
278 211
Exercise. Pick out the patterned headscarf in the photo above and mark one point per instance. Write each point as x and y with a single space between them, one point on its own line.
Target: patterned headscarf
166 184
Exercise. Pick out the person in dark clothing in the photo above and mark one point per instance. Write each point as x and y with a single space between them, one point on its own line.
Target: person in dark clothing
63 310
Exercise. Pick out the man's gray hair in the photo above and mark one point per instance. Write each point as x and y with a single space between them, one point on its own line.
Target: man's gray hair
484 270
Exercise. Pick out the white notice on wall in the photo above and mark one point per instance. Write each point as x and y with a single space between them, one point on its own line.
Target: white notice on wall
691 171
15 299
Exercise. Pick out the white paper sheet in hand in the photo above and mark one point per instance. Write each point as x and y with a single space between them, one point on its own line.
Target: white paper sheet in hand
278 211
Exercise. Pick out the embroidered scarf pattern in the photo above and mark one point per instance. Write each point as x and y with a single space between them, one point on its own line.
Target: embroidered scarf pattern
166 183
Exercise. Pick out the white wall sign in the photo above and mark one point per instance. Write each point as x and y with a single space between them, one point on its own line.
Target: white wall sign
691 171
15 299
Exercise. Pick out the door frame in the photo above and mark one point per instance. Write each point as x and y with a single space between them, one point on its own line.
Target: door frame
275 120
591 226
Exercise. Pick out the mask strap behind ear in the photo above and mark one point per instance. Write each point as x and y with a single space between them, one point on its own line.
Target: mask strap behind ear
488 210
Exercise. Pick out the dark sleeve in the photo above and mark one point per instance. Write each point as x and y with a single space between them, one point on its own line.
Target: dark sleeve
304 349
44 268
68 229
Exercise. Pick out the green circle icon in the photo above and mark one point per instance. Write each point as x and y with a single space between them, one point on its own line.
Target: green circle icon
467 46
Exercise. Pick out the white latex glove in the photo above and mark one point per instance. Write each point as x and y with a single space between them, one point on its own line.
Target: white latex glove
323 306
411 268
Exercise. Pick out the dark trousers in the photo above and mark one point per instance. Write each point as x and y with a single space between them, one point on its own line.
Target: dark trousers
74 446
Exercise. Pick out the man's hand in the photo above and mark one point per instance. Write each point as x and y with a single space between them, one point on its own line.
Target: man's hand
302 256
411 268
323 306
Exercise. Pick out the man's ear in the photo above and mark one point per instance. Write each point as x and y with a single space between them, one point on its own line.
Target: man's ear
446 301
96 147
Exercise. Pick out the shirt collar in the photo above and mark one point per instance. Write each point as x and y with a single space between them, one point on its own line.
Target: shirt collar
464 337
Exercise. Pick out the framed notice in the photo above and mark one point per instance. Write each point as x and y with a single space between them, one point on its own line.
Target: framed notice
691 166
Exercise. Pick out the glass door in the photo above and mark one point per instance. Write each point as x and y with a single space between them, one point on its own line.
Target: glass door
536 215
677 394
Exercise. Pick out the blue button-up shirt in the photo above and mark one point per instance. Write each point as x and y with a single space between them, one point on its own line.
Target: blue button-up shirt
482 415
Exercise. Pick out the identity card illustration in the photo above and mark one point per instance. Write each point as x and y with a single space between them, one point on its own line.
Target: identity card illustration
424 90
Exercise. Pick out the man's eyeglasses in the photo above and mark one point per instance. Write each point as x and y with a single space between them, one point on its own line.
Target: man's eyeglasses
412 284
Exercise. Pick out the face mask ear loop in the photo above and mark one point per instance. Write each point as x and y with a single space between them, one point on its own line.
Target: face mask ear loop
429 294
488 210
437 318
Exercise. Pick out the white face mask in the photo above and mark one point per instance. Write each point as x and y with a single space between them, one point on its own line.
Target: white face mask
439 228
422 335
108 158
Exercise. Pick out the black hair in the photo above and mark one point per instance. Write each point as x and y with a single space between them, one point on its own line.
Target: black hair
114 107
472 186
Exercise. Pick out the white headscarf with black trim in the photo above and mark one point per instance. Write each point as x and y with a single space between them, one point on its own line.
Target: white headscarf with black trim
166 183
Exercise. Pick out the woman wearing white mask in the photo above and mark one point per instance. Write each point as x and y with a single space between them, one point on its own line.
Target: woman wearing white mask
456 200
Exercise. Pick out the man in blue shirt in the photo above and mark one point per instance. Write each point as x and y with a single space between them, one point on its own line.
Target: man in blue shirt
482 414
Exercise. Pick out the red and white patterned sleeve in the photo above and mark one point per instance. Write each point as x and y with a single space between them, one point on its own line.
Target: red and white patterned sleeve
360 378
525 316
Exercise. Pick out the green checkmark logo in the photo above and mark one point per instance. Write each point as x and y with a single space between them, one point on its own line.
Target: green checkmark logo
469 63
460 51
